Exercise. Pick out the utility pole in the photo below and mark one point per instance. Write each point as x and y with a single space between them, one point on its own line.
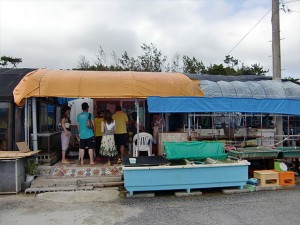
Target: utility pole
276 60
276 41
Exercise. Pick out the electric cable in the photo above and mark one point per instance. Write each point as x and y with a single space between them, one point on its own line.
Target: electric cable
248 33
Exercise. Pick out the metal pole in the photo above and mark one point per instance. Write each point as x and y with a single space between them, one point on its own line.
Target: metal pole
261 127
189 125
28 117
194 124
229 124
137 122
289 129
26 121
34 125
245 129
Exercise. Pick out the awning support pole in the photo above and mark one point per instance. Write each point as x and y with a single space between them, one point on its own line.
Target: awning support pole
26 122
261 127
34 125
189 125
137 121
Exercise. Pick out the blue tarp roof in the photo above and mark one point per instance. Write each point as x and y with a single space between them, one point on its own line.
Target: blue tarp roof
223 104
245 94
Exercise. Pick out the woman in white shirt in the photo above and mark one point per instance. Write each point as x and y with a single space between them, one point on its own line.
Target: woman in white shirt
108 147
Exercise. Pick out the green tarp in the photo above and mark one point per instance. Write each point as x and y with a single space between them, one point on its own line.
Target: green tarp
289 152
195 150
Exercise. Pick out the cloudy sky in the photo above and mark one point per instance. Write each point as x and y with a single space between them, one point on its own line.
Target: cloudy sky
54 34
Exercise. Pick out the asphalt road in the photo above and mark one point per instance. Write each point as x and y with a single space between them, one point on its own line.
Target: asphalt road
212 208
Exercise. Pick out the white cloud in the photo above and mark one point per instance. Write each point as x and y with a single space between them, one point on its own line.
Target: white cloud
55 33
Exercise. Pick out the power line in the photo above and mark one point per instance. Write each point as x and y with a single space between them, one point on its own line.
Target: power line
293 1
248 33
285 8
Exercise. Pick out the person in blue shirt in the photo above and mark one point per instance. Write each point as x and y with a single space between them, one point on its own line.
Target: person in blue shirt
86 134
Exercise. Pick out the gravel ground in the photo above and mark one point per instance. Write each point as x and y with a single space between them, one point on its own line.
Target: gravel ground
212 208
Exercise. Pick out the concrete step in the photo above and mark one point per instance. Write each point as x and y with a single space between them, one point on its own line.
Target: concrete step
58 189
83 181
47 182
50 184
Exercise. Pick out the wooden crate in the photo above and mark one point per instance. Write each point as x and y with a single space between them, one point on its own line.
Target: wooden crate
267 177
286 178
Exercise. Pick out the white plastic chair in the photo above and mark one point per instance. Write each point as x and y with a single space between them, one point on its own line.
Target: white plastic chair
142 142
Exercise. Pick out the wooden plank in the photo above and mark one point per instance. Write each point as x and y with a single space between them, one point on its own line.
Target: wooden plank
17 154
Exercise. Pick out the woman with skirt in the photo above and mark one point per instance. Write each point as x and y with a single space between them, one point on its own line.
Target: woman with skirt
66 132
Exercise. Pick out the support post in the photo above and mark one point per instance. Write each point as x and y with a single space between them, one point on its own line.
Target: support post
276 54
34 125
26 122
276 41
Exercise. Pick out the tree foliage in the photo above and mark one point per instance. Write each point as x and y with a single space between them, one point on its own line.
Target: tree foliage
152 60
294 80
101 58
192 65
230 61
4 60
83 63
128 63
175 63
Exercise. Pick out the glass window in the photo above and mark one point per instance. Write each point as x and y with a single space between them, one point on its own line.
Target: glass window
4 125
58 117
46 118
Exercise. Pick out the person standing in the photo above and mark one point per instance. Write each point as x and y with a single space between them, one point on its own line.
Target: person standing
134 124
108 147
66 132
98 132
121 119
86 134
157 127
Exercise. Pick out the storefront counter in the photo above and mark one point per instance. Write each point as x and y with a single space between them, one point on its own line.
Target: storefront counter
185 177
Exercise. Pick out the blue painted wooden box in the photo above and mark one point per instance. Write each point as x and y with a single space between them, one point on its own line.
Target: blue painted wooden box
185 177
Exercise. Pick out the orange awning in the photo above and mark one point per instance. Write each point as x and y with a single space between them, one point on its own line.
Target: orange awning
103 84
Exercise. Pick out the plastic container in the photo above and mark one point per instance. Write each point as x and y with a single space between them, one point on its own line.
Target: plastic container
253 181
132 160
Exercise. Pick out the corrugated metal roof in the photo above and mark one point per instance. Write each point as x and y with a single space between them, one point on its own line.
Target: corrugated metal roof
9 79
246 86
228 78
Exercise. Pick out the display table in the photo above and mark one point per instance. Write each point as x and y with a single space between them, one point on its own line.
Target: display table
146 161
185 177
254 153
184 174
12 170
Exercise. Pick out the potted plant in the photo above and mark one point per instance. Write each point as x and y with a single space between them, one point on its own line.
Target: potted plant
31 169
